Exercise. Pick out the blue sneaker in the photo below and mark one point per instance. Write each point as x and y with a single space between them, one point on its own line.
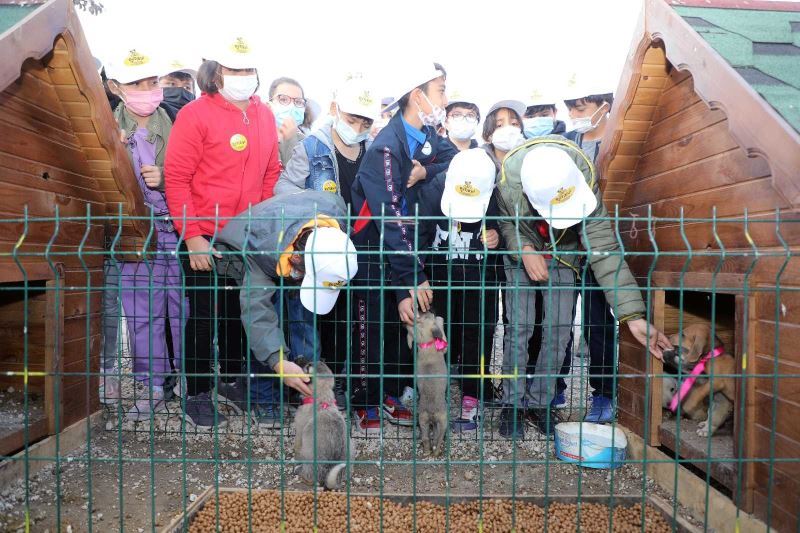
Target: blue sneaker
559 401
602 411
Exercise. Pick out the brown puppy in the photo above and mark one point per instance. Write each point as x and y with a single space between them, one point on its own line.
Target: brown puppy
689 349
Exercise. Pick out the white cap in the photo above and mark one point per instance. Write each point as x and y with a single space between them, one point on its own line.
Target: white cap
468 186
541 98
576 89
177 65
556 187
515 105
331 263
418 74
355 98
133 65
234 52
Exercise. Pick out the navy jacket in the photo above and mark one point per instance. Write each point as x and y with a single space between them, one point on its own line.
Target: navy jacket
380 186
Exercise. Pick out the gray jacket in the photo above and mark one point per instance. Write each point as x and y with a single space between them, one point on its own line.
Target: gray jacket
298 168
252 244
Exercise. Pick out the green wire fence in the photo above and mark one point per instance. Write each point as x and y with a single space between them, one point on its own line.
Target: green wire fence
72 463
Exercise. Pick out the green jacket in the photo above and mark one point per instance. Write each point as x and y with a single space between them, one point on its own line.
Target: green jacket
158 128
605 257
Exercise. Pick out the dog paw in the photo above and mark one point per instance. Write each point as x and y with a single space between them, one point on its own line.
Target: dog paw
702 428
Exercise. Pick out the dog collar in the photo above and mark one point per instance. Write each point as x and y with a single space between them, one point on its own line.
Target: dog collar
323 405
440 344
688 383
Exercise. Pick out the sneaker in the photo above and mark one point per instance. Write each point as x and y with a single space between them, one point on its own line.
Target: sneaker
201 412
109 389
340 394
543 419
268 415
233 395
602 411
512 422
559 401
468 420
408 398
143 408
369 420
396 413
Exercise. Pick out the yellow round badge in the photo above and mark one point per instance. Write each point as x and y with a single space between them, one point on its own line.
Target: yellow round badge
238 142
329 186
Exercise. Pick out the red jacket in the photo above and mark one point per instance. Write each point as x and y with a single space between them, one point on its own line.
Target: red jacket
219 161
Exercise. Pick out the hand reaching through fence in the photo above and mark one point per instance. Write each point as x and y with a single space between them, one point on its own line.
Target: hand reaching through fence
199 247
423 295
294 377
649 336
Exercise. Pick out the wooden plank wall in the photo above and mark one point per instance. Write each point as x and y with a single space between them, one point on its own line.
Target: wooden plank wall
679 157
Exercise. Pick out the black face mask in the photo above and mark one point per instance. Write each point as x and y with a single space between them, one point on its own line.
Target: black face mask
174 99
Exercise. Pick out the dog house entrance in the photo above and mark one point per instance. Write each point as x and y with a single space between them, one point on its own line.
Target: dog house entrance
681 436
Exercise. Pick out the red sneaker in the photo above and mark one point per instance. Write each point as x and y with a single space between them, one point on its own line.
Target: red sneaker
369 420
396 412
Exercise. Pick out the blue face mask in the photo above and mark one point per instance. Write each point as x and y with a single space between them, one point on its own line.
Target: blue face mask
282 112
538 126
347 134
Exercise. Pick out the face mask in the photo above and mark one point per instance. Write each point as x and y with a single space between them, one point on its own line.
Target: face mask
585 125
435 117
461 129
239 88
143 103
507 138
537 126
175 98
282 112
347 134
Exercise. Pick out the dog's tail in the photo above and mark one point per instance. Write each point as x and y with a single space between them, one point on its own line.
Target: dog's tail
332 481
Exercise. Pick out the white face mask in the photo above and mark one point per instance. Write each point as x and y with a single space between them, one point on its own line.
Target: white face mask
461 129
435 117
587 124
239 88
507 138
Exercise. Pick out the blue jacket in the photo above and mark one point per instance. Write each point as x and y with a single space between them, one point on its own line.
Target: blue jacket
380 186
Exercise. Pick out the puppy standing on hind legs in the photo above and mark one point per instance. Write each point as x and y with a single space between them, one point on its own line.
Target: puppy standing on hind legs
428 332
321 435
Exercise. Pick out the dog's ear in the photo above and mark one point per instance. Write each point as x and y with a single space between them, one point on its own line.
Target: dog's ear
697 335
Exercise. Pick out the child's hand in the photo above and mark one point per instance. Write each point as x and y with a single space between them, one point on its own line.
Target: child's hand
294 377
152 176
535 265
418 173
491 239
199 247
656 342
287 130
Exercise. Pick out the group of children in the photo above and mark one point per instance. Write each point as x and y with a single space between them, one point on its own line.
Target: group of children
394 194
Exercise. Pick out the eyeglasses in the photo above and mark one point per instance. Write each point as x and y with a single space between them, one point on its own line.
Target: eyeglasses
287 100
472 117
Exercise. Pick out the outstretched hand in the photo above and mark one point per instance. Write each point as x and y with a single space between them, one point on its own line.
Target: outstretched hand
649 336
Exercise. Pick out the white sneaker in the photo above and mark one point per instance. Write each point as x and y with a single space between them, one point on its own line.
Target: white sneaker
144 407
109 388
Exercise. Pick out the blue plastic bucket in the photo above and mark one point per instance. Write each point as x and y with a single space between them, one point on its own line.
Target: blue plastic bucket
590 445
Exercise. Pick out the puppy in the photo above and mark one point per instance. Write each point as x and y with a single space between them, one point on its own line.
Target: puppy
428 333
668 390
689 349
329 449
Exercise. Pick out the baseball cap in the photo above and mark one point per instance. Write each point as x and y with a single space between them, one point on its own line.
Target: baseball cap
177 65
234 52
580 89
418 74
515 105
538 98
468 185
331 263
355 98
556 187
133 65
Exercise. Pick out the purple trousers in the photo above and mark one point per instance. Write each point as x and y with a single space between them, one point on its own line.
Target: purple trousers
150 292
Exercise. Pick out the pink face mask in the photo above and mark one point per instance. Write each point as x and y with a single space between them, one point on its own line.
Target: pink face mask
143 103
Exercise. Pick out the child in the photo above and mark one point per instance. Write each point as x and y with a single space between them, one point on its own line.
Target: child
150 290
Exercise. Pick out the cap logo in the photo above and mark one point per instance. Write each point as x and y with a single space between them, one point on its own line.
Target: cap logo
329 186
240 46
334 285
467 189
135 59
563 194
365 99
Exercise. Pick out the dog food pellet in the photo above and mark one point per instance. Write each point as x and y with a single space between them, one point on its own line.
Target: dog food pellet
295 513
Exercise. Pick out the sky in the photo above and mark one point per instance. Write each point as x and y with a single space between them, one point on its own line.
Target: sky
503 49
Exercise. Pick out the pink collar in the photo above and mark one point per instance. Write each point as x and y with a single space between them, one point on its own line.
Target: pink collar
688 383
441 344
324 405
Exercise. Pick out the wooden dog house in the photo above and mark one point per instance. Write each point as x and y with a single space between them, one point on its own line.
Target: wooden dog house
61 161
706 125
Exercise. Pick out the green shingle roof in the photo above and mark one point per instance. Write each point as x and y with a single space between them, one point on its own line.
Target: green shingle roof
762 46
10 14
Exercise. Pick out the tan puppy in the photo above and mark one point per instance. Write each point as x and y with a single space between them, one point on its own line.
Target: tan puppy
689 349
